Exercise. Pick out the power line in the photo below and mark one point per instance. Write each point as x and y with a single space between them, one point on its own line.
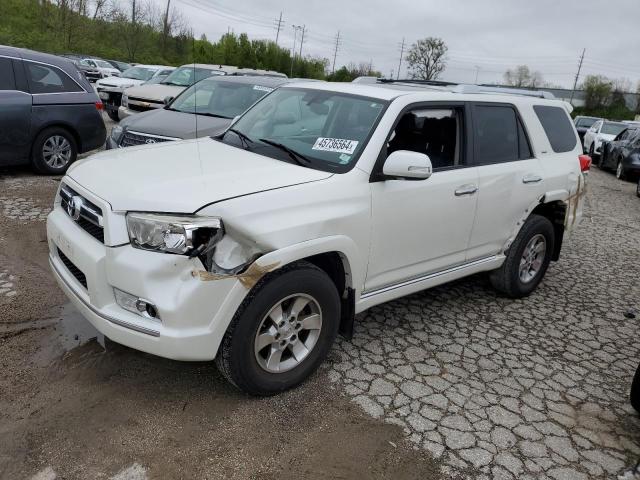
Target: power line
575 82
335 52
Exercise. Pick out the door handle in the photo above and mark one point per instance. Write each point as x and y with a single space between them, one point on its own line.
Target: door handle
469 189
531 179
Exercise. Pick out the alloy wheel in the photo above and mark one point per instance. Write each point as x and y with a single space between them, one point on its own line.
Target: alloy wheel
288 333
532 258
56 151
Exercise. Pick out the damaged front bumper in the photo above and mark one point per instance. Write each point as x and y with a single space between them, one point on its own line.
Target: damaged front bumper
193 314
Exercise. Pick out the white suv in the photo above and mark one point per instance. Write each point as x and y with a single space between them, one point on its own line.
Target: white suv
256 247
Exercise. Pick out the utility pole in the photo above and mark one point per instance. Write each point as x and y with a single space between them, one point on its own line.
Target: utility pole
304 27
293 50
575 82
400 62
133 12
278 27
477 72
335 52
370 67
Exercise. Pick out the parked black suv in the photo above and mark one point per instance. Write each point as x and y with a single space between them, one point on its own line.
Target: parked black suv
49 113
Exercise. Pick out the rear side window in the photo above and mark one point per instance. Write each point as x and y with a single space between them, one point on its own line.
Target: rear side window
498 135
557 126
7 81
49 79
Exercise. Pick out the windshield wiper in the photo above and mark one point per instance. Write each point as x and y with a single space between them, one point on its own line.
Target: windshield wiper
297 157
215 115
243 138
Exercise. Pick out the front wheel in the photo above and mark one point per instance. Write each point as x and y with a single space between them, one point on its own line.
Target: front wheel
113 115
527 259
282 331
620 173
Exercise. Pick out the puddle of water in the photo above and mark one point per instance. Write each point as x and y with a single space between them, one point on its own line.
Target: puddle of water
71 331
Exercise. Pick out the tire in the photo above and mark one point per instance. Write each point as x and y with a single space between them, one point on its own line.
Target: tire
603 158
509 279
248 364
592 152
113 115
620 174
634 395
638 188
59 141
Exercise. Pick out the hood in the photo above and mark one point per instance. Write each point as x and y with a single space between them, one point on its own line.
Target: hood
119 81
156 91
182 177
605 138
175 124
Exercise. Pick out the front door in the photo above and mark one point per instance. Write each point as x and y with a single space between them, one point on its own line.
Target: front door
423 226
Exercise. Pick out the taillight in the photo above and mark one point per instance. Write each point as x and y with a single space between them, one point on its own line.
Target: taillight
585 162
99 106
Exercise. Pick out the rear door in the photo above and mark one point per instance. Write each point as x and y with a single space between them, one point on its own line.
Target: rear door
15 115
510 178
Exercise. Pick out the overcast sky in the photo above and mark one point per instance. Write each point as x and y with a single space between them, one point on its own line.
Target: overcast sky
485 37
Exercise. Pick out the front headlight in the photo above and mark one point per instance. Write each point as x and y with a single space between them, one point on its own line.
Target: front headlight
125 100
181 235
116 133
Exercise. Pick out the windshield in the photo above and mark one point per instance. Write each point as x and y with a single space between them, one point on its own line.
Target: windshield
187 76
586 122
219 98
103 64
324 130
138 73
611 128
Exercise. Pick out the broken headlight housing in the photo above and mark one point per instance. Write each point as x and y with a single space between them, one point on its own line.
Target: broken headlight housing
180 235
193 236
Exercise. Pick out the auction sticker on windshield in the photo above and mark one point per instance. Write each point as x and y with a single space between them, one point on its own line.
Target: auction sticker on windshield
262 89
337 145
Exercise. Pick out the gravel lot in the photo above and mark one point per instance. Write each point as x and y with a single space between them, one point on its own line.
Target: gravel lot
452 382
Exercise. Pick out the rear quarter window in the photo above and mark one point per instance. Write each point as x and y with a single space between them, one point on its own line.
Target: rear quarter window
559 129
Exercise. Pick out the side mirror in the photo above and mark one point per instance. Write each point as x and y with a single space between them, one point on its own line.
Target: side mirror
407 164
168 100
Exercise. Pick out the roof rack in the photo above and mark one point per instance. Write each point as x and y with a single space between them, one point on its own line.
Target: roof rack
471 88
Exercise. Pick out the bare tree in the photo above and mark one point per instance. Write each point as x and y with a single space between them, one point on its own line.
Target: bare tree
426 58
522 76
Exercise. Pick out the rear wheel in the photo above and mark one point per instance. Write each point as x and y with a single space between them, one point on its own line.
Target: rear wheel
54 149
282 332
634 396
527 260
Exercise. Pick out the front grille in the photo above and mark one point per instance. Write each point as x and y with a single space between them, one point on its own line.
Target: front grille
108 85
139 108
73 270
130 139
87 215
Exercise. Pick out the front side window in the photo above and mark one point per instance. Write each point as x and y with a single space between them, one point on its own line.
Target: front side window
187 76
557 125
432 131
314 128
498 135
49 79
219 98
7 81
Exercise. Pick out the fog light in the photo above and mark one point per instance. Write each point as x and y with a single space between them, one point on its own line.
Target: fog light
136 305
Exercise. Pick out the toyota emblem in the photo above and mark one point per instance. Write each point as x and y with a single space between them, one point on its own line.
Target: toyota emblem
149 140
74 206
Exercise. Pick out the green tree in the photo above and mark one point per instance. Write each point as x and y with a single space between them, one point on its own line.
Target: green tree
426 58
